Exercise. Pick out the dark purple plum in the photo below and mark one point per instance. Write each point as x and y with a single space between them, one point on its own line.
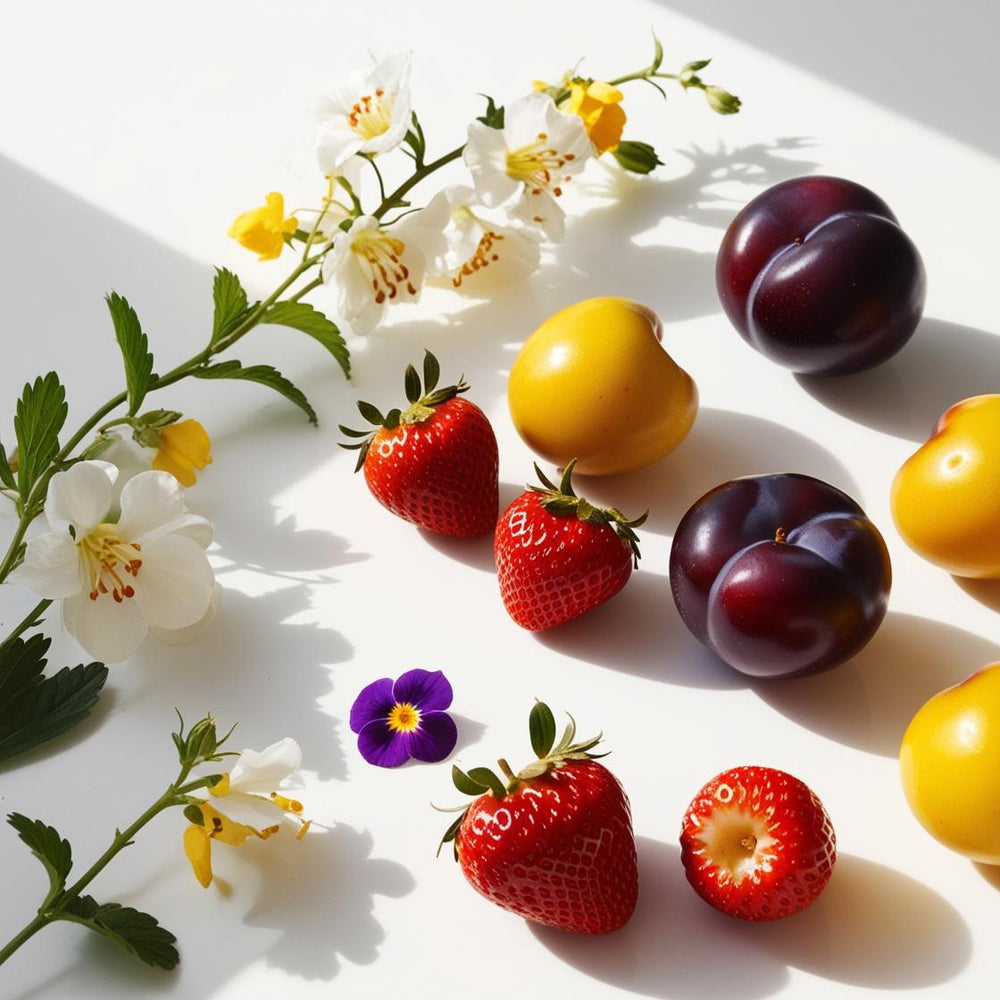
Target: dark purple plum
818 276
779 575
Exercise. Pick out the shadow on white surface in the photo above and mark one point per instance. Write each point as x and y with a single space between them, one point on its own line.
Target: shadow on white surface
722 445
873 928
315 898
869 701
942 364
985 591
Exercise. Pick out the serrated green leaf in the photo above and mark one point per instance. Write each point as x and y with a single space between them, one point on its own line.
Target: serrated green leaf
262 375
494 116
135 350
432 372
484 776
137 933
34 708
411 384
6 473
303 317
231 304
465 784
45 843
41 413
542 726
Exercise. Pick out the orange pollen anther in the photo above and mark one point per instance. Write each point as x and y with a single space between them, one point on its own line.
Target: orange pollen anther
380 255
108 560
371 116
483 257
538 166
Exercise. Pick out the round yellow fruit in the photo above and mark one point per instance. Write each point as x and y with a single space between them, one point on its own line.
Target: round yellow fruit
950 766
594 383
946 497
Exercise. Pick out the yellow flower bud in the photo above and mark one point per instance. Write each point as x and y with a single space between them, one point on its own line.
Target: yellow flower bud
599 105
184 447
263 229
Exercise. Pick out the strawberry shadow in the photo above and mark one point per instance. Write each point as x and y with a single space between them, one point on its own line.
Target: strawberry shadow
722 445
873 928
868 702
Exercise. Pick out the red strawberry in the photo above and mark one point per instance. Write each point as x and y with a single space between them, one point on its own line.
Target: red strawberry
756 843
434 463
558 556
554 844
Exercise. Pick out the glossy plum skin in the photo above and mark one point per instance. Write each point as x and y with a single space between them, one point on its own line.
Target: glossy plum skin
779 575
817 275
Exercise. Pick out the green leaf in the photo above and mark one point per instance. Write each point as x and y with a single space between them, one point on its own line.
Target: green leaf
484 776
263 375
302 316
432 371
135 350
230 304
35 708
542 726
135 932
411 384
6 474
494 116
41 413
465 784
46 845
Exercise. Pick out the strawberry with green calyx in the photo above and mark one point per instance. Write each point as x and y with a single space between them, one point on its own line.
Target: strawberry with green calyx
552 843
434 463
558 556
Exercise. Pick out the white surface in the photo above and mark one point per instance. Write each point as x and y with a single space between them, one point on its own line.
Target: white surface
129 140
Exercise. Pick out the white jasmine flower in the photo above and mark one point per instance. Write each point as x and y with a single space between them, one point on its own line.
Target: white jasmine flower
368 113
116 579
536 152
374 267
246 803
479 246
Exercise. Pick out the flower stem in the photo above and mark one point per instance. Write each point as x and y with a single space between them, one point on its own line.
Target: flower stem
392 199
29 619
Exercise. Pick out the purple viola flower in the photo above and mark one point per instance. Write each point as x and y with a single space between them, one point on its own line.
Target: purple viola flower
397 720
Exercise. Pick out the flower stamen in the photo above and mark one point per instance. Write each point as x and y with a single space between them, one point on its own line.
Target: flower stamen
106 557
539 166
371 115
483 257
403 718
380 254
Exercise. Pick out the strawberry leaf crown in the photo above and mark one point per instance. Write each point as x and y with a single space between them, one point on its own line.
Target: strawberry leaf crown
423 399
479 781
562 501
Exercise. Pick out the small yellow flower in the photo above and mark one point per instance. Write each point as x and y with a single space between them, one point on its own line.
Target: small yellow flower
184 447
263 229
599 106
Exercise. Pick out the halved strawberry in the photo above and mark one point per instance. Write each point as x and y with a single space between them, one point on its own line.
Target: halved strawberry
434 463
558 556
757 843
554 842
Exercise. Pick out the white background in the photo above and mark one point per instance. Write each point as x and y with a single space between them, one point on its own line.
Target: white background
130 136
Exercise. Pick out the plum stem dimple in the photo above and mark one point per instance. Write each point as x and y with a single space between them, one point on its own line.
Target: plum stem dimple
779 535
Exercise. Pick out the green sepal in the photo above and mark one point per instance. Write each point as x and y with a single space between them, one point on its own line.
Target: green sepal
636 157
484 776
411 383
432 371
542 727
193 814
451 835
466 784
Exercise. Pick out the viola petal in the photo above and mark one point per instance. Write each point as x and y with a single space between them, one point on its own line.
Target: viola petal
427 690
434 739
373 703
380 746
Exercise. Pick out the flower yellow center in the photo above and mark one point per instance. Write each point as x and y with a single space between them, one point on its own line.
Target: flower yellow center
538 165
404 718
107 558
379 254
371 116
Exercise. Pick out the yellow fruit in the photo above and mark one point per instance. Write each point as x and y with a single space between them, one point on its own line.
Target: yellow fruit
946 497
594 383
950 765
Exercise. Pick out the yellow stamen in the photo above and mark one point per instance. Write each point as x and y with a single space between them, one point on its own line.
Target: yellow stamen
380 255
371 115
403 718
538 166
484 256
106 558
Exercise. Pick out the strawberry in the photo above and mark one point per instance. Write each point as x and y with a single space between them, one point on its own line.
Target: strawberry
554 843
756 843
434 463
558 556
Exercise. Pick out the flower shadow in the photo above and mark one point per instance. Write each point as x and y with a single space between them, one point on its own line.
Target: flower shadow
873 927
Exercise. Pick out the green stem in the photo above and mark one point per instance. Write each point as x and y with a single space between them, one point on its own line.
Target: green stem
29 619
56 903
393 198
